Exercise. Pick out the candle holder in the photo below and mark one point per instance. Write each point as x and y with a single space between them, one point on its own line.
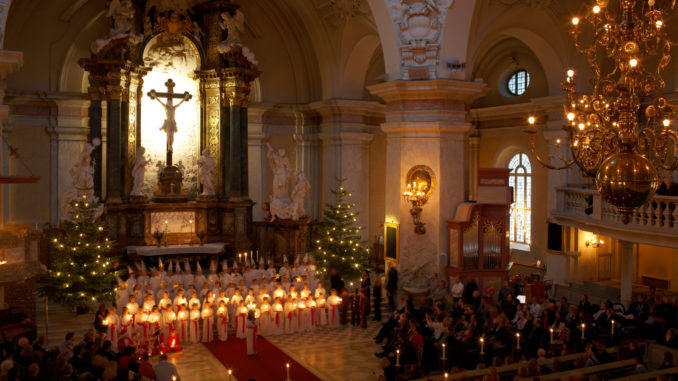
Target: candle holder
420 184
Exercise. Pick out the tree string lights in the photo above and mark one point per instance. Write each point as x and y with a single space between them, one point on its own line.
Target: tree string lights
82 271
339 244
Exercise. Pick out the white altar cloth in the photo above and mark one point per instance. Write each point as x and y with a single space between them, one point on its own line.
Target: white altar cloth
150 251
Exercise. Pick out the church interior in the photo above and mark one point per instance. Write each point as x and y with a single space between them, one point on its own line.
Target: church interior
361 189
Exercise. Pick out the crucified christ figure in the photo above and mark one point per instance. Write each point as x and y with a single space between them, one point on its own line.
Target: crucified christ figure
170 124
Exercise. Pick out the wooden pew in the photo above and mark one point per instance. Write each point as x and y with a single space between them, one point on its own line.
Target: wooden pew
611 368
648 375
508 371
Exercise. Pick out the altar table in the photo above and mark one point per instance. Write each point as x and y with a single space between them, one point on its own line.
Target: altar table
215 248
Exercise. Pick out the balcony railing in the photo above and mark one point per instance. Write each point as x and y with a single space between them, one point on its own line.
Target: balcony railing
660 214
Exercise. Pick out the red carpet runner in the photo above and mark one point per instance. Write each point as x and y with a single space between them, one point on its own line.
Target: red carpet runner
267 365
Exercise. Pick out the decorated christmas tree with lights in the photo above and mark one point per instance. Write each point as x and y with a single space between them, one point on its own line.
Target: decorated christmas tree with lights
339 244
81 271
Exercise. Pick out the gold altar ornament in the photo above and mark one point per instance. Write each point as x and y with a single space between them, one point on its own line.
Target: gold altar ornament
621 133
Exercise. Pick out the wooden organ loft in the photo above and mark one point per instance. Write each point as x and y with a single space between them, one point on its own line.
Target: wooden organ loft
478 235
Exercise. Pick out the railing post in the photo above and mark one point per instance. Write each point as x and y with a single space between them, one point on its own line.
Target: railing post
597 207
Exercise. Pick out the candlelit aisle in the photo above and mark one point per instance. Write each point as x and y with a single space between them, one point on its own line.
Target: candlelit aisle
268 364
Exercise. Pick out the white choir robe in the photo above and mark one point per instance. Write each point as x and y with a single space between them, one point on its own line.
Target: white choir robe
112 328
319 293
290 323
142 325
194 327
265 325
182 326
154 324
222 323
224 279
233 308
131 282
178 301
142 280
133 309
155 283
199 281
284 271
277 319
321 313
333 310
251 336
148 306
207 325
126 324
187 280
230 291
302 316
168 323
280 294
192 302
212 278
313 314
240 318
121 300
161 292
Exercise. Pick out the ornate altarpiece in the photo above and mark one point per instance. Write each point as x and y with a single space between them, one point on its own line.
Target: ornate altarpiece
183 44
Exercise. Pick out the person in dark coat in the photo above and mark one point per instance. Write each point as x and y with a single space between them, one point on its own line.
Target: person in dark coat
364 303
392 286
376 285
336 283
365 285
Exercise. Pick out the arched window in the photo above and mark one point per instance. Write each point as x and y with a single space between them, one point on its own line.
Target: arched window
518 82
520 178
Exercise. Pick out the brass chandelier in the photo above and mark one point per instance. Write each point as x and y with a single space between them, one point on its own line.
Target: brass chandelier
621 132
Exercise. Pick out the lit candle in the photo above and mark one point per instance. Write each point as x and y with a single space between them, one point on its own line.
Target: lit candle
288 371
551 330
174 378
443 351
230 372
397 357
612 327
105 322
482 346
446 375
583 329
517 340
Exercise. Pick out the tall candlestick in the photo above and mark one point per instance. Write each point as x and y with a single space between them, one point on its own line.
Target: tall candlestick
288 372
583 329
397 357
518 340
612 328
482 346
551 329
443 351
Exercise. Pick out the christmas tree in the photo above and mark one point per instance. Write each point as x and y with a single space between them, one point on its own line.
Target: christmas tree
340 245
81 271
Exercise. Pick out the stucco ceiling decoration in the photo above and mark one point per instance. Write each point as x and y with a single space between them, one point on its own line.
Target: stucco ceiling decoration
419 24
338 12
531 3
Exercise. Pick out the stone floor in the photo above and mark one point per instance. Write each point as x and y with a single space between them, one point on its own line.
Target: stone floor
344 353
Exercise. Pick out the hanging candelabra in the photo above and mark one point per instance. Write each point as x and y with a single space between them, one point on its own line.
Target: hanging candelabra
621 132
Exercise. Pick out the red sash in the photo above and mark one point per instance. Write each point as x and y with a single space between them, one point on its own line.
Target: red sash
277 319
143 325
312 317
195 323
224 321
111 331
209 328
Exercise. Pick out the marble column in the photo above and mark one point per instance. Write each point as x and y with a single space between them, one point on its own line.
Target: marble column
235 90
257 162
346 130
10 61
96 93
426 124
115 161
211 133
474 148
306 140
626 254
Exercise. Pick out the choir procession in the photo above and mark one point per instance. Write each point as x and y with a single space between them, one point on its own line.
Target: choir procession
159 311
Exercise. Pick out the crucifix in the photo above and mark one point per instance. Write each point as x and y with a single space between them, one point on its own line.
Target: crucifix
170 124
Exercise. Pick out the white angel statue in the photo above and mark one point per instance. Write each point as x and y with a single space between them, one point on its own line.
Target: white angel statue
138 172
206 166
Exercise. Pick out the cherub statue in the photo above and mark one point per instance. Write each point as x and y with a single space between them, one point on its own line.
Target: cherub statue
234 24
138 172
122 14
206 166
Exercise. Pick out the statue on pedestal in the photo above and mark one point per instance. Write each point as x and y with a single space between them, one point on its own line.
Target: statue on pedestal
138 172
302 186
235 25
121 13
206 166
280 199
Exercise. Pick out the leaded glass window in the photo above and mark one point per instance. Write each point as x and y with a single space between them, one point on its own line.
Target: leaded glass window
520 178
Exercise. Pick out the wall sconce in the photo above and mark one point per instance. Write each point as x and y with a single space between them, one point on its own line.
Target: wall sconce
420 182
594 242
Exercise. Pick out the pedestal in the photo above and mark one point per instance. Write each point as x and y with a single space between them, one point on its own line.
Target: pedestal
170 186
283 237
